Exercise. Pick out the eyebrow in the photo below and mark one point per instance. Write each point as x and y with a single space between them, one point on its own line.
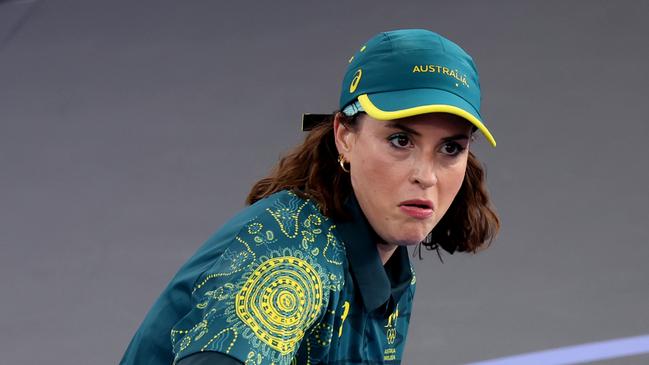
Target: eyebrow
402 127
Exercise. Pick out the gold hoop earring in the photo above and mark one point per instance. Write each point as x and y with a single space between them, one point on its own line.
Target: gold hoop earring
341 161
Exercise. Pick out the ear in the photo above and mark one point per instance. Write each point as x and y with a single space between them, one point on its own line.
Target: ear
343 135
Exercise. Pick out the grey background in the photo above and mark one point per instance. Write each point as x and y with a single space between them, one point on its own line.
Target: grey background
131 130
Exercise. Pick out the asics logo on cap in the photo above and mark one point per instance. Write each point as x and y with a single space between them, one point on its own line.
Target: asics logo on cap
357 78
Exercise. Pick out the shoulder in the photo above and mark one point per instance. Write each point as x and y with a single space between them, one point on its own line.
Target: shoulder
284 210
280 233
285 225
281 224
286 220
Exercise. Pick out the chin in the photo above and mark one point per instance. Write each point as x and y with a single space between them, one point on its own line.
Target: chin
413 233
409 240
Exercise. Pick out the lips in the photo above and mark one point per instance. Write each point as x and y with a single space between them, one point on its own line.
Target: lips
418 203
417 208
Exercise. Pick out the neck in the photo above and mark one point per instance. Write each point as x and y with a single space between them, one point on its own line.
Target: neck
385 251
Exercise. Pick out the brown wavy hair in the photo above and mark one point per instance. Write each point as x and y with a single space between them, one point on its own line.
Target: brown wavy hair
311 170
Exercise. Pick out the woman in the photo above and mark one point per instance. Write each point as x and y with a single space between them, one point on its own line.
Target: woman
316 269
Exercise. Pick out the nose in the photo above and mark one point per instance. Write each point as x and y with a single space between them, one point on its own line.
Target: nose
424 174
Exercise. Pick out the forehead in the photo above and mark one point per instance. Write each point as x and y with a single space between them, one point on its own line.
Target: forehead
430 121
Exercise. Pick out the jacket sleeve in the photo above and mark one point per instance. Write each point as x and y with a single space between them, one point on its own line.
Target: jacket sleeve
257 301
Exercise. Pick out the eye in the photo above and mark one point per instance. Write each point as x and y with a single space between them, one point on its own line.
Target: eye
452 148
400 140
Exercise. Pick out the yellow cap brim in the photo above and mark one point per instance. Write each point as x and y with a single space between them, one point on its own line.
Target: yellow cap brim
377 113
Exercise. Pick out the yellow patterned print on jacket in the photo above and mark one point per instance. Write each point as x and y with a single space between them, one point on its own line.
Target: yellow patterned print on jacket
259 299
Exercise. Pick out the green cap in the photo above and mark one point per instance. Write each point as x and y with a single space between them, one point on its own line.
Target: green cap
406 72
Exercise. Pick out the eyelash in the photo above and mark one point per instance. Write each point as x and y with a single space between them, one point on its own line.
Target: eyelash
458 147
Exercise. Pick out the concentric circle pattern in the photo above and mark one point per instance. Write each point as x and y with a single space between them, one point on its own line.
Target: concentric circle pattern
280 300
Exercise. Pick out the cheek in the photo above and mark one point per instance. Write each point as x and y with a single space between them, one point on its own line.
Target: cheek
450 184
376 173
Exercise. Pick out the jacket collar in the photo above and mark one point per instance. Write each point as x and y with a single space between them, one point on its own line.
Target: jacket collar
377 283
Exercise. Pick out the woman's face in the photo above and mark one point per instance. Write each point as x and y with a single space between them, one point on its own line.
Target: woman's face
405 172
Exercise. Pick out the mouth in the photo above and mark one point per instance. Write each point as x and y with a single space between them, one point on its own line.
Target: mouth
417 203
417 208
